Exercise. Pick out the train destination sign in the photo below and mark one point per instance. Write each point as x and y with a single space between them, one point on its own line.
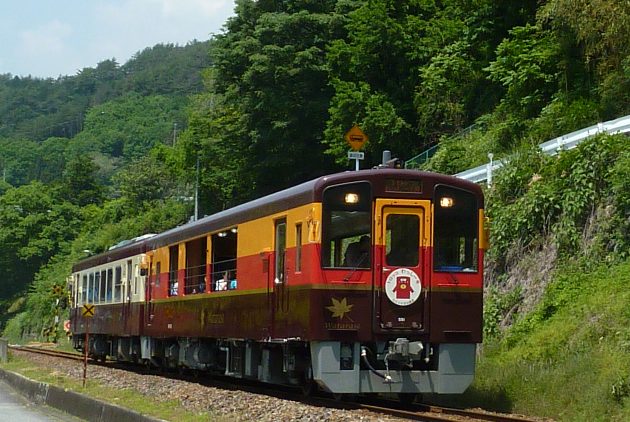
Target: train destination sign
356 138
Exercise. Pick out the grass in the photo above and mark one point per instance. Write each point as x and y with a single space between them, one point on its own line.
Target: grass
573 364
128 398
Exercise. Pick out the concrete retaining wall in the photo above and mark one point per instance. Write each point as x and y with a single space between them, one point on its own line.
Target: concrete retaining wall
75 404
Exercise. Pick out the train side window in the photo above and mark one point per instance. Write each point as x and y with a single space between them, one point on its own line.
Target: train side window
280 247
91 288
129 278
97 286
346 226
195 278
136 274
109 285
173 259
455 237
106 281
117 284
84 289
298 247
223 275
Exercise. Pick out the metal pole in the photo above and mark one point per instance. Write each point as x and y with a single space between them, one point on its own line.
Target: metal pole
197 192
356 164
489 170
4 353
85 349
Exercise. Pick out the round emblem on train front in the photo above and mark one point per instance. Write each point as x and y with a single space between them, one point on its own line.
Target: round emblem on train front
403 287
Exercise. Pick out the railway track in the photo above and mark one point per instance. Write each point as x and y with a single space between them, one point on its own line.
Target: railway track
49 352
420 412
437 413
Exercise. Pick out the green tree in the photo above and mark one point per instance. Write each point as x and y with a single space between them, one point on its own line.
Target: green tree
79 184
167 69
35 224
145 179
268 97
51 159
526 65
597 34
19 160
409 72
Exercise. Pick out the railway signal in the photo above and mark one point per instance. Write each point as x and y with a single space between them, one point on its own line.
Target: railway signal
88 312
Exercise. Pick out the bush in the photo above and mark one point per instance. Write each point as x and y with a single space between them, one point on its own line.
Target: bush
534 196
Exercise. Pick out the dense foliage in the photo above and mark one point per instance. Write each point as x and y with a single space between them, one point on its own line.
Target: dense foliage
115 113
84 165
559 73
555 300
115 151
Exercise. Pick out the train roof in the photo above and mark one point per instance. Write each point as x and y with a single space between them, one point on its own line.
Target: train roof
302 194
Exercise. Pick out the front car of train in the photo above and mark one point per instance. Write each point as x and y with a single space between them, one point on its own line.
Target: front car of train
401 255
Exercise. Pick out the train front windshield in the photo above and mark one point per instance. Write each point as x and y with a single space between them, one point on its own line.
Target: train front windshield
346 227
455 234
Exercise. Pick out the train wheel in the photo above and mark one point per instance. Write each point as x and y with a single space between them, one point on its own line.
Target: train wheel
338 396
408 399
308 388
344 397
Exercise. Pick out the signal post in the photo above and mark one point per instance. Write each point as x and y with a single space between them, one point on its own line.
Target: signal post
356 139
88 312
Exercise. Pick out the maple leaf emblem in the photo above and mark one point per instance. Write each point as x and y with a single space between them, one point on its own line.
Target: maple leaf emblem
339 308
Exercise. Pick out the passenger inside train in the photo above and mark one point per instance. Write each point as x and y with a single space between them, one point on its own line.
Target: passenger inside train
358 253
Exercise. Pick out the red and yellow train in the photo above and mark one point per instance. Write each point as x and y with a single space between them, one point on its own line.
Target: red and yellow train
357 282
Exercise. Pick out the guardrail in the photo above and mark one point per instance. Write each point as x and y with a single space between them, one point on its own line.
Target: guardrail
552 147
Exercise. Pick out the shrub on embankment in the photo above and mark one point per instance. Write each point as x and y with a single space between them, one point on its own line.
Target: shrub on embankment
569 358
557 309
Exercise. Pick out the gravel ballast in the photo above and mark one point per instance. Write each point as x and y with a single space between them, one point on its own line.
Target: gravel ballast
197 398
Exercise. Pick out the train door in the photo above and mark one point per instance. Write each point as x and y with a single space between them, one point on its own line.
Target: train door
148 294
280 298
127 272
401 283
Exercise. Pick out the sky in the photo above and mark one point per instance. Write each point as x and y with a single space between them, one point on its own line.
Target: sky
50 38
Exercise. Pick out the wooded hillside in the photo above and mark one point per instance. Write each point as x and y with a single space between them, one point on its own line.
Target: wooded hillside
111 152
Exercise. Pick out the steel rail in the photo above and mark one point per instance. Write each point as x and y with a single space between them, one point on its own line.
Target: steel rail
41 351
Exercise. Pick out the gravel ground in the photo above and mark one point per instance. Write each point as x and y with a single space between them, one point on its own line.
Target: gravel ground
233 404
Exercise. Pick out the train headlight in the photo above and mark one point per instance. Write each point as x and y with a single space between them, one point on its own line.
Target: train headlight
446 202
351 198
